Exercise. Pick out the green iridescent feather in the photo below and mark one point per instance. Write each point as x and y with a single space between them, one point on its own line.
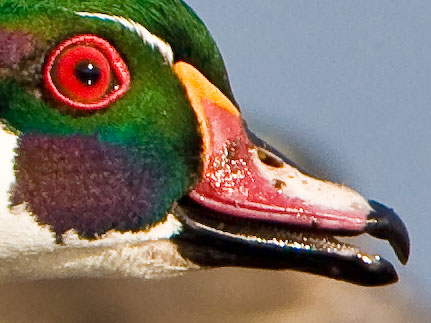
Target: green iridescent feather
153 119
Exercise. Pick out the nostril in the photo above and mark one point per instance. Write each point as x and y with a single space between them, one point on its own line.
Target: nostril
269 159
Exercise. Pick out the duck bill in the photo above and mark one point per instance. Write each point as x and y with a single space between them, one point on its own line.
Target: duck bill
276 216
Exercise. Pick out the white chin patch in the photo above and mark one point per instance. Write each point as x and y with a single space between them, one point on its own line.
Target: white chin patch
20 234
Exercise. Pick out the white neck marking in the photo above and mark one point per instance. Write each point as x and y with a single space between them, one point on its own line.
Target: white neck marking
8 144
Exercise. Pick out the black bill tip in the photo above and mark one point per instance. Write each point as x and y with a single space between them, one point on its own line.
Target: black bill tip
384 223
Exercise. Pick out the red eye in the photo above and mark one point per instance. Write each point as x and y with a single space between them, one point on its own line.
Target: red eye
86 73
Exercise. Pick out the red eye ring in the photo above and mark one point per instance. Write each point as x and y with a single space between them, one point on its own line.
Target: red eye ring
85 48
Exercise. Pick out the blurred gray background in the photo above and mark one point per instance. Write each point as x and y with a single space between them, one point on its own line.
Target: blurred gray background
346 86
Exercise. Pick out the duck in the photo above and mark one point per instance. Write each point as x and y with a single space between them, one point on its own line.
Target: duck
125 154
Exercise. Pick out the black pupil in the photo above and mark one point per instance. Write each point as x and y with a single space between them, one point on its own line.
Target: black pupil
87 72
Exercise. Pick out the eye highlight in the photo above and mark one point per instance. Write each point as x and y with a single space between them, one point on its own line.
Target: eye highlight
86 73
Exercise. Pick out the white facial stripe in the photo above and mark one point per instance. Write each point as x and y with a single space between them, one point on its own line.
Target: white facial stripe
8 143
311 190
147 37
21 235
164 230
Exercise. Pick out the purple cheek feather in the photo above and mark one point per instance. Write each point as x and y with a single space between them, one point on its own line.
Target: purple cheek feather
14 46
79 183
